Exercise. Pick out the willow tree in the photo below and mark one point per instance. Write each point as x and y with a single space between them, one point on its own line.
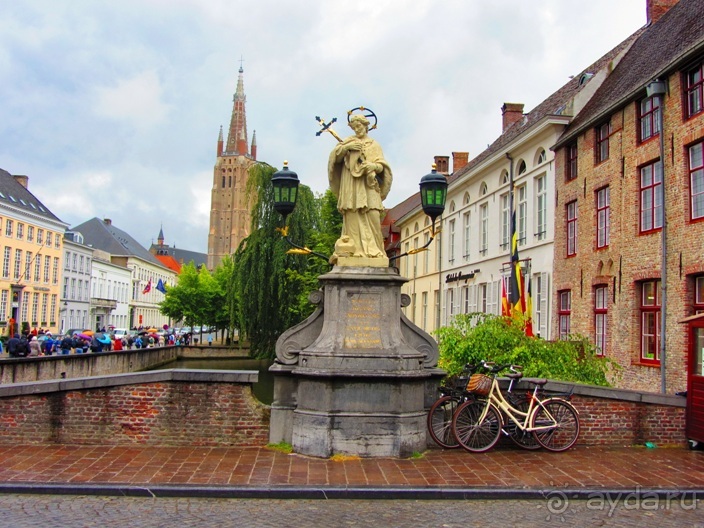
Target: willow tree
269 283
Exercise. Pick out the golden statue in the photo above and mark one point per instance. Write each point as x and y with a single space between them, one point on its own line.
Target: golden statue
360 178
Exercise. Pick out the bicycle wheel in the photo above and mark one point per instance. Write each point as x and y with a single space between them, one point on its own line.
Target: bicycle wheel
440 421
473 436
565 433
522 438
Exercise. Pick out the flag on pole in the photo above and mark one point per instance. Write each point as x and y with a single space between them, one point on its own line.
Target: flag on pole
160 286
515 293
505 309
529 311
148 287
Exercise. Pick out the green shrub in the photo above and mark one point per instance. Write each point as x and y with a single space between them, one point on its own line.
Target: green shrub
477 337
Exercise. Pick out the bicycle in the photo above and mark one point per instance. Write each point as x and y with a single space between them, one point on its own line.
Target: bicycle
477 425
443 409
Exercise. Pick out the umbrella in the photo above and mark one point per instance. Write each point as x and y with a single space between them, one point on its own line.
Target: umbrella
142 332
84 336
103 338
152 330
88 332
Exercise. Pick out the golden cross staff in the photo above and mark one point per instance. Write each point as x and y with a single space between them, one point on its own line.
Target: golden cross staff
325 127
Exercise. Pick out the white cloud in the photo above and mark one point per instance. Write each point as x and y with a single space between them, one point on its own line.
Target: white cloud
136 101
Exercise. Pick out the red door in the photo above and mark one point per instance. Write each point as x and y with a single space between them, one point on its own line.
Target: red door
695 382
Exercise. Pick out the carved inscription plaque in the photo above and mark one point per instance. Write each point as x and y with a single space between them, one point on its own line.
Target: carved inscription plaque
363 320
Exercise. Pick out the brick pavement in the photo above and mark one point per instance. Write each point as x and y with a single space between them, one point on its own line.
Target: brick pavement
502 470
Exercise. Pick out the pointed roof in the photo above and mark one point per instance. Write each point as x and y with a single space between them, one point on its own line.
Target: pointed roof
237 134
160 236
661 48
16 195
101 234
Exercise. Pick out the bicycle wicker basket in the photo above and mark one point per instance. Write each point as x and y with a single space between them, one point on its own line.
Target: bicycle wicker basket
479 384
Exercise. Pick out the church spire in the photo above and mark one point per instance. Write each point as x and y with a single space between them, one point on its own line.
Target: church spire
160 237
237 135
220 142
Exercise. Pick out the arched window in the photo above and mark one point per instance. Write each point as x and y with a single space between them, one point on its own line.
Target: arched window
223 182
521 167
483 189
504 178
452 206
229 184
415 228
541 156
465 201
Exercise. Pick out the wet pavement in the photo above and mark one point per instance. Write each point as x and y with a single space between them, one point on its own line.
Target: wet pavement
252 472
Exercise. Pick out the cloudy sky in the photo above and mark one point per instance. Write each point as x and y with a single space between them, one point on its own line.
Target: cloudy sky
112 107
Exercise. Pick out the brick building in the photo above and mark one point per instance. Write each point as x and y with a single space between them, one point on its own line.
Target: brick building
229 209
609 203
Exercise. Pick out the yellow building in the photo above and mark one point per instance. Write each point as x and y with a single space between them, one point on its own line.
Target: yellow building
31 244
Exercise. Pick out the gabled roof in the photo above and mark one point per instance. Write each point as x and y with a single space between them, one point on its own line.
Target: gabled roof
169 262
660 49
105 236
556 104
179 255
15 194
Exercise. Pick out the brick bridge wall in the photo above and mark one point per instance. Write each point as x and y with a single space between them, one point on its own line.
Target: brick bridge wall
211 408
161 408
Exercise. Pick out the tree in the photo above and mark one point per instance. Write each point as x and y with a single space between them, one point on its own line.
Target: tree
183 300
269 283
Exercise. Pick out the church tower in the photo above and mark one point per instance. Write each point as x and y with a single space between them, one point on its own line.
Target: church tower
229 211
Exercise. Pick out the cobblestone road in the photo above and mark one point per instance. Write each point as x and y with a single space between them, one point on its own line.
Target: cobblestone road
50 511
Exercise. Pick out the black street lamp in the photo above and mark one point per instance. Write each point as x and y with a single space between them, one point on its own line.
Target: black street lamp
433 193
285 183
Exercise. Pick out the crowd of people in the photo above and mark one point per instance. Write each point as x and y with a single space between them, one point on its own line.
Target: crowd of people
41 343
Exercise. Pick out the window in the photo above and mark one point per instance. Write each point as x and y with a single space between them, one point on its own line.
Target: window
505 221
451 241
450 305
30 233
601 300
564 313
73 288
47 265
571 210
6 263
649 118
602 142
696 180
4 294
28 265
467 234
603 217
8 228
541 207
541 320
25 306
37 269
45 307
522 213
695 97
18 263
436 307
542 157
521 167
571 164
650 322
424 311
65 295
20 230
651 197
57 240
223 181
35 309
54 272
484 219
74 262
699 294
426 254
40 236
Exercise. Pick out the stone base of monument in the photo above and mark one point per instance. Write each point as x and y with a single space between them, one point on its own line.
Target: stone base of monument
354 377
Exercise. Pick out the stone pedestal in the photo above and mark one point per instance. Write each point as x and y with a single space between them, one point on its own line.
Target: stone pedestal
352 378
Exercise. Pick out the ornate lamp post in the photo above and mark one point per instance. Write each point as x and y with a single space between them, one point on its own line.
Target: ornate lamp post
285 183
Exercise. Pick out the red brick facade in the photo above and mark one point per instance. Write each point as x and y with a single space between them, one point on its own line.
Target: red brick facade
632 256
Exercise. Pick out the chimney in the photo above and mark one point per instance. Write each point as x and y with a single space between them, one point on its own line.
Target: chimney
442 163
22 180
655 9
512 113
107 221
459 160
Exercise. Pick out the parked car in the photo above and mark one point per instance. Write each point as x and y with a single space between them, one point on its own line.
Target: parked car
120 333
